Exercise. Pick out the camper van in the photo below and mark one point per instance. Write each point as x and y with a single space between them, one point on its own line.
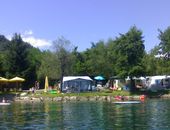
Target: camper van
155 83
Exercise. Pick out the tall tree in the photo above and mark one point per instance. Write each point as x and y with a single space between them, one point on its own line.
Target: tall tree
130 51
17 56
96 59
3 47
63 48
78 63
3 43
164 37
111 57
164 51
49 66
34 58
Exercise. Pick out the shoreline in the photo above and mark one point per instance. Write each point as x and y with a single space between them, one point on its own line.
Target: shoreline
64 97
82 98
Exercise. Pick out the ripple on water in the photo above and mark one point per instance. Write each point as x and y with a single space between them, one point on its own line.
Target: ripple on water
151 115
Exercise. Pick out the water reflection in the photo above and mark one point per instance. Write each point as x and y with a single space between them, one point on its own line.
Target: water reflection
84 116
151 115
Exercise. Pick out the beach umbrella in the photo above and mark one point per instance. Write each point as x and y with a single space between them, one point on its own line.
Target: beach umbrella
99 78
3 79
46 84
17 80
3 82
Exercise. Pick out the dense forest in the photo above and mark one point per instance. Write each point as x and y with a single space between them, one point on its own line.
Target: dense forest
122 56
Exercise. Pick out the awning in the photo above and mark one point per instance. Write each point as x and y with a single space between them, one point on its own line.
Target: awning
68 78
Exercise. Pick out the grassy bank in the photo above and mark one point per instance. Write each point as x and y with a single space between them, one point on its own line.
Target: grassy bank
103 93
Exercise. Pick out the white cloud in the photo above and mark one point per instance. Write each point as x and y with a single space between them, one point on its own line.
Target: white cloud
36 42
27 36
9 37
28 32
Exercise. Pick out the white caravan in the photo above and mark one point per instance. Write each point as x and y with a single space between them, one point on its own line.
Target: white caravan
155 83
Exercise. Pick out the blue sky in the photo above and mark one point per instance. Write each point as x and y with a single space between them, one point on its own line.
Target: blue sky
82 21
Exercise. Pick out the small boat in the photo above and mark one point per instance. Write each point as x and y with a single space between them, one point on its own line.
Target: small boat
4 103
127 102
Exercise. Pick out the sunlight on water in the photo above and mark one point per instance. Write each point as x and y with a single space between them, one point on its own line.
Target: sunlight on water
151 115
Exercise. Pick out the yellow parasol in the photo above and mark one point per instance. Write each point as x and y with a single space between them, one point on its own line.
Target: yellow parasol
46 84
3 79
3 82
17 79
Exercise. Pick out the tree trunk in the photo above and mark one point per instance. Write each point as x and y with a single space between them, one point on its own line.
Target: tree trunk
61 78
132 86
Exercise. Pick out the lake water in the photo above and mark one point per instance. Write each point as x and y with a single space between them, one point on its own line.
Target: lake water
150 115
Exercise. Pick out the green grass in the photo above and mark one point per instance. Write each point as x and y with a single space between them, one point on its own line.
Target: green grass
84 94
103 93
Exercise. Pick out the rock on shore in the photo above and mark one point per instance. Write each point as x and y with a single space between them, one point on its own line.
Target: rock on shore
71 98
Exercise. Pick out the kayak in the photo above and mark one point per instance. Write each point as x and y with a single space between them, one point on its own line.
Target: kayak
127 102
4 103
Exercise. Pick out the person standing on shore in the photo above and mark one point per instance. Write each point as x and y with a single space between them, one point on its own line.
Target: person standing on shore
37 85
3 100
